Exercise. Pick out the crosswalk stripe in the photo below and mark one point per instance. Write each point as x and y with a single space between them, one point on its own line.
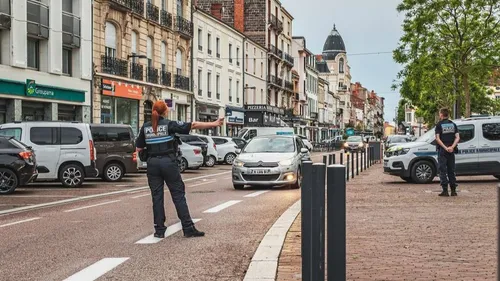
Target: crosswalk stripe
170 231
96 270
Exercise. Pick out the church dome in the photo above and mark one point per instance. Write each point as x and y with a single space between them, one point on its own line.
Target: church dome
334 45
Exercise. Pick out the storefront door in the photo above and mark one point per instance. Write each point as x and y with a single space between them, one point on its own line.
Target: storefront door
3 111
33 111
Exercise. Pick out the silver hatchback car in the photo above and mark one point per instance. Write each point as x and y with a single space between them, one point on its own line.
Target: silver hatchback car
270 161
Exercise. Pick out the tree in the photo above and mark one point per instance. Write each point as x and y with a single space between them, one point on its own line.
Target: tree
449 47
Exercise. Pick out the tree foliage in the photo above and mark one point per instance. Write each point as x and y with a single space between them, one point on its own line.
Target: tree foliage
449 49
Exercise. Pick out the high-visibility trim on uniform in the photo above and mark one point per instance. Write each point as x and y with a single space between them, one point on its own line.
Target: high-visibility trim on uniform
159 140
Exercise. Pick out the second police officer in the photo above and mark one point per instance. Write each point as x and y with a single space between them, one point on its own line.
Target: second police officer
155 144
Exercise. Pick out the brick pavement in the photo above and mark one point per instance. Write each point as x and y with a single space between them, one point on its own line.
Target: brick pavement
400 231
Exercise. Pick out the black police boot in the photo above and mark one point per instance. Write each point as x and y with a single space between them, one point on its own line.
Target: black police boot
445 192
192 232
454 191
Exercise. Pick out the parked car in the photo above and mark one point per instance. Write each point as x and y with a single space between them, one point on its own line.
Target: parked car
226 149
270 161
192 158
306 142
17 164
212 155
65 149
478 152
115 147
354 143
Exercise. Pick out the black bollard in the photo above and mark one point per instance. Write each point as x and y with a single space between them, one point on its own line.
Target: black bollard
324 159
347 166
357 163
366 159
330 159
318 222
361 160
306 216
336 223
334 159
341 158
352 165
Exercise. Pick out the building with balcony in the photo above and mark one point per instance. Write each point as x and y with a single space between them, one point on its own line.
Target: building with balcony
45 60
141 54
218 64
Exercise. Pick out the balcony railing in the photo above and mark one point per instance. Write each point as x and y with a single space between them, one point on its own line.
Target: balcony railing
182 82
279 26
152 75
5 19
184 26
114 66
137 6
273 21
38 19
136 71
288 58
166 19
152 12
289 85
166 78
127 4
71 30
279 81
275 80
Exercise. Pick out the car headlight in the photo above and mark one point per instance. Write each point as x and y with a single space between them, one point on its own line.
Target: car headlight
238 163
400 151
346 144
287 162
360 144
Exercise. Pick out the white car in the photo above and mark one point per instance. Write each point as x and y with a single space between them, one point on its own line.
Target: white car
478 152
212 153
226 148
191 158
306 142
64 150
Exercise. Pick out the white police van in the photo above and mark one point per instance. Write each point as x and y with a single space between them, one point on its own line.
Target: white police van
478 152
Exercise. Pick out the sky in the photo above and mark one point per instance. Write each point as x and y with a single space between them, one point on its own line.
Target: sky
367 26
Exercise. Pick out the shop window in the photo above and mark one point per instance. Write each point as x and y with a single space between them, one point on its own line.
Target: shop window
33 53
71 135
120 111
44 135
66 112
66 55
11 132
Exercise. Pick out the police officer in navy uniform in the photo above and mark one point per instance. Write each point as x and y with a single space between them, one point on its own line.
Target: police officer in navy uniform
155 143
447 138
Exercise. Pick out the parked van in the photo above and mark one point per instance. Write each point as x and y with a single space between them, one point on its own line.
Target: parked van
64 150
115 146
248 133
478 152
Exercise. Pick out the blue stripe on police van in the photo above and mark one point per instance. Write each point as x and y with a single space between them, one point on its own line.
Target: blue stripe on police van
159 140
463 151
430 153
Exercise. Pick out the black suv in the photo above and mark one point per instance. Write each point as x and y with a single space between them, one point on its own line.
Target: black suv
17 164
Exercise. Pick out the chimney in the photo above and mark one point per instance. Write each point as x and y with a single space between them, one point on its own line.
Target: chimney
239 15
216 10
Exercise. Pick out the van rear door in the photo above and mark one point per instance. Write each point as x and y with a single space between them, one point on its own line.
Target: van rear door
489 148
44 139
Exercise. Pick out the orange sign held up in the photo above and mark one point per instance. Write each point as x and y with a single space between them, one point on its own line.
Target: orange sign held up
121 89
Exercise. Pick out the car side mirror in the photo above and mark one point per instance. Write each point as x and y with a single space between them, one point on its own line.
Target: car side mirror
304 150
237 151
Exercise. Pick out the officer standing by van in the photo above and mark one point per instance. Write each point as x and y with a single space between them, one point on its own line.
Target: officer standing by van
447 138
155 144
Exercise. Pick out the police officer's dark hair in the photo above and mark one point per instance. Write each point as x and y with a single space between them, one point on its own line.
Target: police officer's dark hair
159 108
445 112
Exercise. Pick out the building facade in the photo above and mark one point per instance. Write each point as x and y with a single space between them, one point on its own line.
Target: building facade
45 60
255 75
218 73
142 53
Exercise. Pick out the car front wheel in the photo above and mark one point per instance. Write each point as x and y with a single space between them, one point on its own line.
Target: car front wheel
423 172
8 181
211 161
229 159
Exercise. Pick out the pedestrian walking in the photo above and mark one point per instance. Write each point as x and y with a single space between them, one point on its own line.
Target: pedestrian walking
156 145
447 138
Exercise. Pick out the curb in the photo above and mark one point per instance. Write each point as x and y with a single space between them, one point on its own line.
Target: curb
264 264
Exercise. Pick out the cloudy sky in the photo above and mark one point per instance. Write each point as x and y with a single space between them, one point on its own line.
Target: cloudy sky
367 26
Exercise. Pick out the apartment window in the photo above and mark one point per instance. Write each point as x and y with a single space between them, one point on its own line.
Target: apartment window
110 39
163 56
209 43
217 86
179 8
230 53
217 46
200 91
178 61
261 95
33 53
341 65
200 41
237 56
254 65
164 5
261 69
408 117
149 51
209 84
237 91
230 89
134 45
289 27
66 60
246 63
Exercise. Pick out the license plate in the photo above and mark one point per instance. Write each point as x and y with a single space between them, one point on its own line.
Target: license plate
259 171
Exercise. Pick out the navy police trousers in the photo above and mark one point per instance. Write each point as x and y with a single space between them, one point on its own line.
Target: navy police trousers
447 169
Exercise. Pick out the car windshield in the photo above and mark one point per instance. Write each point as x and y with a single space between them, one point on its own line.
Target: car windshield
270 145
398 139
427 137
354 139
241 133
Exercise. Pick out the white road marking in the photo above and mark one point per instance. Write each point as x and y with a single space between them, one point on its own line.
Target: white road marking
222 206
137 191
96 270
142 195
227 178
18 222
65 201
198 184
40 196
172 229
255 194
91 206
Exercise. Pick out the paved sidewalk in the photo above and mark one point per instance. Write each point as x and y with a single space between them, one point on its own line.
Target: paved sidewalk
400 231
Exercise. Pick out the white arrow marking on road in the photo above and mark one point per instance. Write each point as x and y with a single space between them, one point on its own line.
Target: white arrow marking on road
222 206
91 206
255 194
170 231
18 222
96 270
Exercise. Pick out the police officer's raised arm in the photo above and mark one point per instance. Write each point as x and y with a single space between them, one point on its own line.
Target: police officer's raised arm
179 127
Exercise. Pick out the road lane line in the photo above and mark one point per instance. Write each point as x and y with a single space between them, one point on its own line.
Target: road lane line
71 200
142 195
96 270
18 222
255 194
40 196
198 184
228 178
133 192
172 229
222 206
91 206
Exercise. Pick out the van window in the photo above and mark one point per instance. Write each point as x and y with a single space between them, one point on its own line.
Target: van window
118 134
251 134
44 135
466 132
71 135
491 131
298 141
11 132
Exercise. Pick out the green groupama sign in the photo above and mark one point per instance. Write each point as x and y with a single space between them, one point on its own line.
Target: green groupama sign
34 91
